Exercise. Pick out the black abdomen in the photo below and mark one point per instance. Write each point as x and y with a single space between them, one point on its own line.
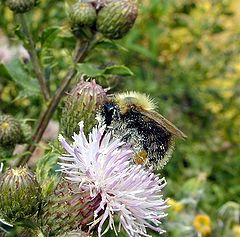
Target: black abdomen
154 138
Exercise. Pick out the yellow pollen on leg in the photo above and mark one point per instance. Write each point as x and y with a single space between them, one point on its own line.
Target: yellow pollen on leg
140 157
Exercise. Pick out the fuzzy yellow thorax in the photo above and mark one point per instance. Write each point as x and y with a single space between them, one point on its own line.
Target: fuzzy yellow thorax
134 100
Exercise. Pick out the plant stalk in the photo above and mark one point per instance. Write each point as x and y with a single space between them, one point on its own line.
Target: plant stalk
34 57
81 50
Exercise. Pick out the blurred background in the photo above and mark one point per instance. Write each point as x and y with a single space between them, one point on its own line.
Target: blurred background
186 55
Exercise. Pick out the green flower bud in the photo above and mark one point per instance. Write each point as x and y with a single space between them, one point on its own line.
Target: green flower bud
10 131
20 194
82 14
116 18
82 104
67 209
21 6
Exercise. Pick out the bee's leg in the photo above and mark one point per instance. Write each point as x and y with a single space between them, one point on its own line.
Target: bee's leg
140 157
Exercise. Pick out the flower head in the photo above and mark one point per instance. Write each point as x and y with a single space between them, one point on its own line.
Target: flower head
20 194
10 131
202 224
99 3
236 230
81 104
116 18
102 166
175 205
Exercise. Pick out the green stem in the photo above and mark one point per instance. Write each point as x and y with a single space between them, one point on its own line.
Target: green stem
34 57
82 48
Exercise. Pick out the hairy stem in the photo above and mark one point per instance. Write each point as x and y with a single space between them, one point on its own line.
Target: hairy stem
82 48
34 57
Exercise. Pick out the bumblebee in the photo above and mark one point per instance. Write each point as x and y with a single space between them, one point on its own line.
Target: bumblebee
131 116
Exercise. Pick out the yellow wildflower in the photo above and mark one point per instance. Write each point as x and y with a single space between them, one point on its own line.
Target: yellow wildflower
202 224
175 205
236 231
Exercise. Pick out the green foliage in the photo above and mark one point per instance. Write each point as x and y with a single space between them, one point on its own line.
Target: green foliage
92 71
15 71
46 172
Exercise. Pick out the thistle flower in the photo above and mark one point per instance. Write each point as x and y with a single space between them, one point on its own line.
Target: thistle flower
98 4
82 14
20 194
21 6
81 104
67 209
102 166
10 130
116 18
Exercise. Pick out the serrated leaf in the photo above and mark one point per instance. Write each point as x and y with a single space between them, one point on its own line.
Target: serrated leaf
46 166
110 44
89 70
92 71
119 70
15 70
46 172
49 35
3 71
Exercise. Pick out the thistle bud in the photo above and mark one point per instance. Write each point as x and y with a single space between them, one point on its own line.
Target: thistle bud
117 18
10 131
82 14
20 194
82 104
21 6
67 209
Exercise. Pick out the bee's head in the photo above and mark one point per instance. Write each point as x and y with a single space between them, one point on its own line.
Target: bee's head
108 112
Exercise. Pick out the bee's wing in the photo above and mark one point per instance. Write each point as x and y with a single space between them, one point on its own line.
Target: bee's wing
163 122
